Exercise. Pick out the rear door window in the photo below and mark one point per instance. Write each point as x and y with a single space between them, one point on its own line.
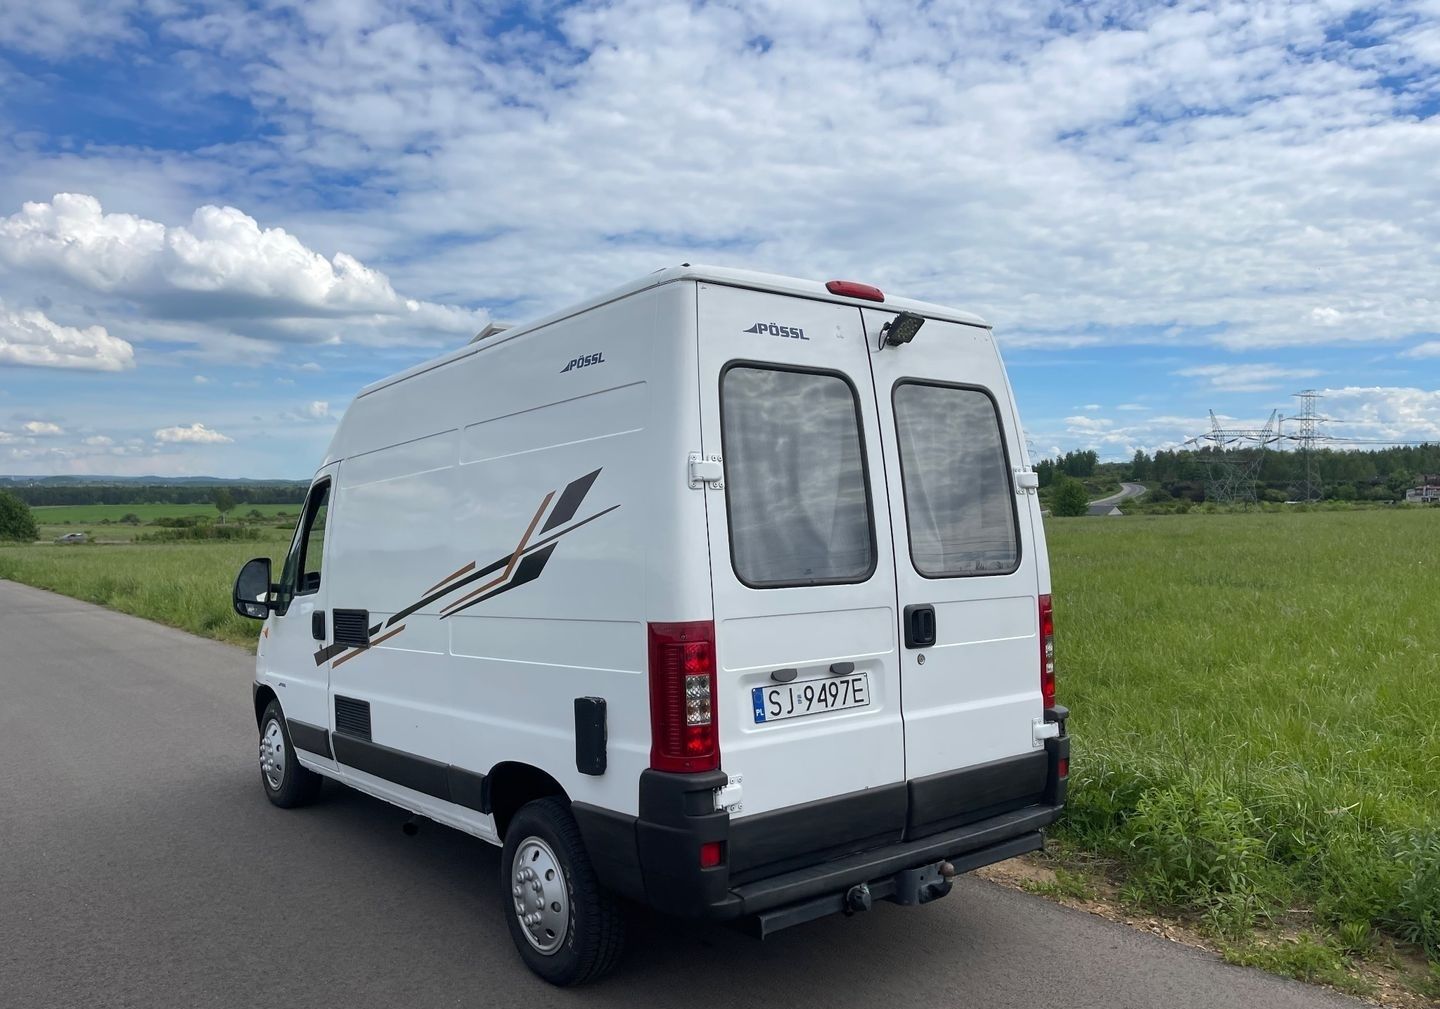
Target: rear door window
795 481
959 503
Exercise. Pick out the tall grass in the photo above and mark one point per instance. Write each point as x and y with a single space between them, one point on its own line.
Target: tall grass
185 585
1256 701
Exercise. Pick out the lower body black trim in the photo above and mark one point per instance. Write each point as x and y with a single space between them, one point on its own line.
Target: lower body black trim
771 843
954 798
433 777
310 738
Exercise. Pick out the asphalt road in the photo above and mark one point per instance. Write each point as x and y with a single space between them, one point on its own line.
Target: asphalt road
1127 491
140 865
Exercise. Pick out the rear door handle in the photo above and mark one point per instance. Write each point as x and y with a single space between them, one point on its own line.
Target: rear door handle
919 625
317 625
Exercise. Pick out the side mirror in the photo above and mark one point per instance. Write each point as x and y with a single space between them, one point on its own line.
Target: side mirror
252 589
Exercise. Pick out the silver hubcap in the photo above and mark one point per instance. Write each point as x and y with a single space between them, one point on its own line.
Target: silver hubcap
272 755
542 899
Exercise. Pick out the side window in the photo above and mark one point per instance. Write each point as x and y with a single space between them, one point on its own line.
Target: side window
959 502
795 484
301 574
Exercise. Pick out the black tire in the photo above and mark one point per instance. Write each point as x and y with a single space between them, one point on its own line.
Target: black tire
595 932
298 785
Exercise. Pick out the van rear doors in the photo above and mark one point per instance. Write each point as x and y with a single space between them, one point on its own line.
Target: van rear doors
801 563
966 567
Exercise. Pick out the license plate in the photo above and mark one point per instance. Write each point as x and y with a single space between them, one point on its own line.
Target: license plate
810 697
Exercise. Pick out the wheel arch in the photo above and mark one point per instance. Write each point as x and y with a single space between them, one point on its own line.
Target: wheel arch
511 784
263 695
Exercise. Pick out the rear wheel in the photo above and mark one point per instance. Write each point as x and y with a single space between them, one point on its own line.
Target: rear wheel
286 783
567 928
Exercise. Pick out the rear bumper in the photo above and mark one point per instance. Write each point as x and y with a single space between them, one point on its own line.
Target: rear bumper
804 860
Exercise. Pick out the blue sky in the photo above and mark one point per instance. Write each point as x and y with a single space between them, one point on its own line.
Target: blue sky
217 222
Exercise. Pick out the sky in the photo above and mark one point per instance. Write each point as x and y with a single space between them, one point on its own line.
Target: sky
219 221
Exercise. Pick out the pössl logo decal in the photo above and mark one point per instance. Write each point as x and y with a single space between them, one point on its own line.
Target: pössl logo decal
790 332
584 361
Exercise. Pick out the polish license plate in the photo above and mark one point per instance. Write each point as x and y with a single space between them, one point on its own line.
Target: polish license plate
810 697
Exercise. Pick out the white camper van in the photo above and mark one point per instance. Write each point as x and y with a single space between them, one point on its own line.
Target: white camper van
724 592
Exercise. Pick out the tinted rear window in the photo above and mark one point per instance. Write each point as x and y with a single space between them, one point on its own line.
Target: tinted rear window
959 502
795 482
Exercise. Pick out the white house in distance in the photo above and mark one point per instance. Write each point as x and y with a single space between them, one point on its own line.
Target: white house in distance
1426 491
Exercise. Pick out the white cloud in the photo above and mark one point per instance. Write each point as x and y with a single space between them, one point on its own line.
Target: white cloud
1397 413
1132 407
1246 377
318 410
99 441
42 429
1430 348
195 434
222 269
29 337
201 380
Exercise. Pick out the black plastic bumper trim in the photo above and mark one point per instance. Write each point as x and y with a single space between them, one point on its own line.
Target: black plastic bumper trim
841 874
954 798
814 831
766 923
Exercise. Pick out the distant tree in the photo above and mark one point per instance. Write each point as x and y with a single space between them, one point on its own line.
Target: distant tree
1140 465
224 501
1045 470
1070 498
16 521
130 519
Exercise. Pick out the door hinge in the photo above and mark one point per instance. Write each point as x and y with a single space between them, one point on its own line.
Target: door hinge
1041 730
706 471
1027 481
727 797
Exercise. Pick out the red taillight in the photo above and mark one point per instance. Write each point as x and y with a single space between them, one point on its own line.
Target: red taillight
712 853
1064 767
1047 652
682 697
851 289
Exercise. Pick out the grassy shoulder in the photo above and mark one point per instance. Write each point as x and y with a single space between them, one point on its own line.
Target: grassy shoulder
185 585
1254 729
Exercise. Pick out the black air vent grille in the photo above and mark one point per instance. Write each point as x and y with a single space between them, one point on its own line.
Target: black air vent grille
352 627
352 717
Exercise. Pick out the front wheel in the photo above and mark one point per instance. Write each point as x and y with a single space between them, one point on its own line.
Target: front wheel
567 928
286 783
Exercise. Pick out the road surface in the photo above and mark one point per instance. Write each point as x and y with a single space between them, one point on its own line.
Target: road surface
140 865
1127 491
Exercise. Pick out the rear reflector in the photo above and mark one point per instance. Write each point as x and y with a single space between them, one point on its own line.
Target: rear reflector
852 289
712 853
682 697
1064 767
1047 651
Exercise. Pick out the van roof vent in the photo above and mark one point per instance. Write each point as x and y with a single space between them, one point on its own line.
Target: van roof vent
490 330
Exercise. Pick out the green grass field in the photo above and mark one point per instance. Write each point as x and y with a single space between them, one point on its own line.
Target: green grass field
1255 698
49 515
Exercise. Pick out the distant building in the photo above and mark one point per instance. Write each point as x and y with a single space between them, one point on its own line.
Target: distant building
1427 491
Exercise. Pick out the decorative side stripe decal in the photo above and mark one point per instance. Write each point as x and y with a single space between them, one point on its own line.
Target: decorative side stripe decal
522 565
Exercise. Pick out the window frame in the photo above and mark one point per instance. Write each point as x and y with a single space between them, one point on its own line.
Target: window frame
864 473
1009 475
299 545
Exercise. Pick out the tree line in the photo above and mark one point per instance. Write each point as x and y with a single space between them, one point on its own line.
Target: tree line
37 495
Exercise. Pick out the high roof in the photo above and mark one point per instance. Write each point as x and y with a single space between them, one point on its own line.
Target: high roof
750 279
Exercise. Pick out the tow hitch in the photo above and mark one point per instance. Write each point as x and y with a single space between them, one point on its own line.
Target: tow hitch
909 887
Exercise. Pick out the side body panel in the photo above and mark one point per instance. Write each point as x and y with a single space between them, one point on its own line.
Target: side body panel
510 521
